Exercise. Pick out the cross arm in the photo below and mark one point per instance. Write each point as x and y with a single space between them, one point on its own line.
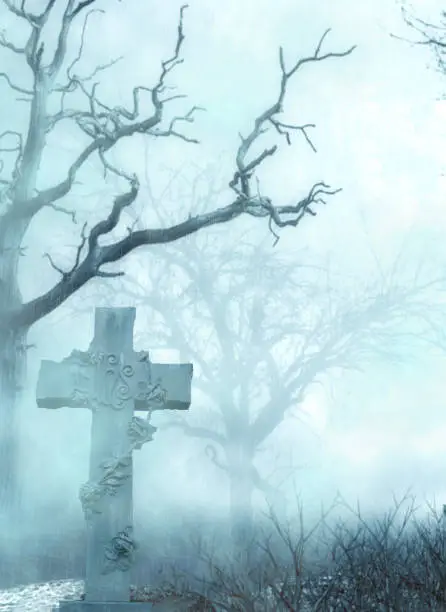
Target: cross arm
174 383
64 383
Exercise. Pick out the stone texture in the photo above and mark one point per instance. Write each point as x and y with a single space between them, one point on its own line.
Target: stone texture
112 380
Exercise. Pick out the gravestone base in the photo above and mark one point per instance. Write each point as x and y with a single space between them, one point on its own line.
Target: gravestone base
104 606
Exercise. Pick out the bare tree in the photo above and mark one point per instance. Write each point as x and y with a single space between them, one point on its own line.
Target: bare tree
53 79
261 329
427 34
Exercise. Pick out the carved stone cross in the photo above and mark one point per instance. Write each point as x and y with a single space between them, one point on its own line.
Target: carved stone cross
112 380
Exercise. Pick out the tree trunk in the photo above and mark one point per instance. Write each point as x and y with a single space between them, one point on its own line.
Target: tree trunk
13 226
12 375
241 488
12 371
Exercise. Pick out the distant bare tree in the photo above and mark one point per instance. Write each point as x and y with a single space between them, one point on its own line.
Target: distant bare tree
53 80
427 34
261 328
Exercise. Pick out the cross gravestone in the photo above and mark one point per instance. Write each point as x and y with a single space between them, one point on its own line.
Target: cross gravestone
112 380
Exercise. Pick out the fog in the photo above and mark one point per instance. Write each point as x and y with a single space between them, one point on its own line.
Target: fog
370 433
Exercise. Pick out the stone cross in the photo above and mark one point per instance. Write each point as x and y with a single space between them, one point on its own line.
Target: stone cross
112 380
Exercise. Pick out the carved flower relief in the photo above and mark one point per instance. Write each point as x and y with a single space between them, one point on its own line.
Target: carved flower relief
153 394
119 554
140 431
80 396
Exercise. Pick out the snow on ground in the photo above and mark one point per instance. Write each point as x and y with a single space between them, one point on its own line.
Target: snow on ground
39 597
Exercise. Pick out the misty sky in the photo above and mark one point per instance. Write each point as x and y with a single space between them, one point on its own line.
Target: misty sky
380 135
